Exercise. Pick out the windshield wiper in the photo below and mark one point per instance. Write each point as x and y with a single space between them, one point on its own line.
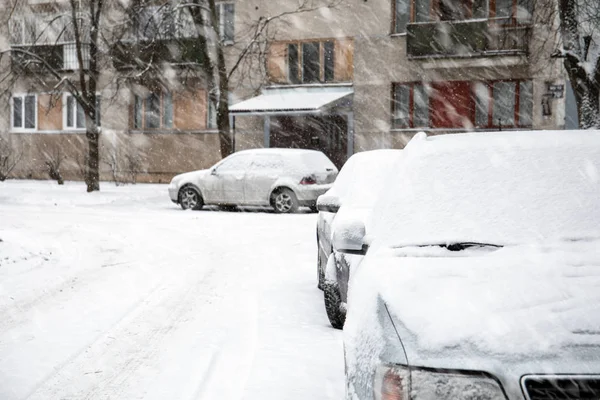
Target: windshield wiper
459 246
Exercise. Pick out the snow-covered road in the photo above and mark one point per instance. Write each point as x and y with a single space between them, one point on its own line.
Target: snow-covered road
122 295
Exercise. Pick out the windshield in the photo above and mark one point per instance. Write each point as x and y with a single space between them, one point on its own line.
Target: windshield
503 189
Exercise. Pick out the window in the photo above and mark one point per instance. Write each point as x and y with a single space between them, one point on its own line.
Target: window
235 163
293 61
311 62
70 60
504 11
226 16
410 106
463 104
155 22
74 116
24 112
503 104
267 161
154 111
402 14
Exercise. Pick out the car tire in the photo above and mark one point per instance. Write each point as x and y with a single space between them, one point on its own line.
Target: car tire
190 198
320 271
334 305
284 201
313 209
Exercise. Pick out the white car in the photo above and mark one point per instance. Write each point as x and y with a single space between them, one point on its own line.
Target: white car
357 187
482 272
284 179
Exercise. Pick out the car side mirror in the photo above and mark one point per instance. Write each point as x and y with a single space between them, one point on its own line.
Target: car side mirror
213 171
328 203
349 237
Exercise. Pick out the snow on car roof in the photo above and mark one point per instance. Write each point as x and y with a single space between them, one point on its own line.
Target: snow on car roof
274 150
493 187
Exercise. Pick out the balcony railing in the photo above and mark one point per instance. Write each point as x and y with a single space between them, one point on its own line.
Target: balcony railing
138 54
43 58
448 39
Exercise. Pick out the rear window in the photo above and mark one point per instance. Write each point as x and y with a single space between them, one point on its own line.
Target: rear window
317 161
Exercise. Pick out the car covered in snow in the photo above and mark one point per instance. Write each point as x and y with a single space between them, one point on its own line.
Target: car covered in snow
354 192
481 274
284 179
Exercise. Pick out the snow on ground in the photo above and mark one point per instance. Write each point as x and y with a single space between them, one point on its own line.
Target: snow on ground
122 295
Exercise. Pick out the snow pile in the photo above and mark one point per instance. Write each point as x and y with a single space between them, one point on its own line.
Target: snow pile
494 188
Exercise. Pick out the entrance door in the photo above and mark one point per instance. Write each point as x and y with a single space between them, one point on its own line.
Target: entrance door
328 134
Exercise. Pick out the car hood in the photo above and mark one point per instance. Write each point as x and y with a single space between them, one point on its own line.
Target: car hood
522 309
189 176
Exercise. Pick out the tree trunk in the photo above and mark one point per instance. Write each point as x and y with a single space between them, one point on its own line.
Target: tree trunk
92 176
588 105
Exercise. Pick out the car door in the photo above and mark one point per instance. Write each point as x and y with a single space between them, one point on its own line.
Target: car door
229 183
264 171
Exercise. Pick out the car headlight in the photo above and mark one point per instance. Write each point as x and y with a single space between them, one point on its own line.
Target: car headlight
402 383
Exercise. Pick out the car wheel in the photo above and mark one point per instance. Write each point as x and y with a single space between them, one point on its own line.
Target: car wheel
285 202
313 209
333 305
190 199
320 271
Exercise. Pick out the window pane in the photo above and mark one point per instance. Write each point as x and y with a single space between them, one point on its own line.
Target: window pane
311 67
329 61
212 115
422 10
70 115
152 111
98 111
167 110
80 116
504 9
421 107
480 8
137 113
17 112
525 103
402 15
30 112
504 104
401 105
228 22
293 63
481 93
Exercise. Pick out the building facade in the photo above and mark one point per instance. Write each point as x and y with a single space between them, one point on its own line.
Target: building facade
355 76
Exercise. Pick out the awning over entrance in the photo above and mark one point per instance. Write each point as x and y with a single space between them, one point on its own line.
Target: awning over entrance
292 100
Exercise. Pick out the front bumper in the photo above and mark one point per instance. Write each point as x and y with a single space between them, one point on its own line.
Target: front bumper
174 194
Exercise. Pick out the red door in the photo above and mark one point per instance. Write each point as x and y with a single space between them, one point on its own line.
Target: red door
451 105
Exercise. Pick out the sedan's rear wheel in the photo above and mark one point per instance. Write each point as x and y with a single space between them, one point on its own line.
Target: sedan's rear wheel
285 202
190 199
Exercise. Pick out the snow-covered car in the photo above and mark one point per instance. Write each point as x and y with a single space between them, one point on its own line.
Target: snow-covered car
482 271
284 179
353 194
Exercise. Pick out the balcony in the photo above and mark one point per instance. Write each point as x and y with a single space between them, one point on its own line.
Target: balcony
39 59
460 39
138 54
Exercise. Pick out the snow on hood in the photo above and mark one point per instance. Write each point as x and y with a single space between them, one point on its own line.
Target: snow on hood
190 176
520 301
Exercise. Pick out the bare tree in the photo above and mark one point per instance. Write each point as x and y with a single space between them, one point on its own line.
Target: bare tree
580 33
9 158
35 54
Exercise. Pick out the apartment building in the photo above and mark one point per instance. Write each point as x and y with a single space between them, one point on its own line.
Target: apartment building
361 75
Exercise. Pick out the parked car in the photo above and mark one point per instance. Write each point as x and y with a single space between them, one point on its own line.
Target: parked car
481 274
284 179
354 192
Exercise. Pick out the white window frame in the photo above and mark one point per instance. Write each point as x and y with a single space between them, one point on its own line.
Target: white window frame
12 113
75 104
221 22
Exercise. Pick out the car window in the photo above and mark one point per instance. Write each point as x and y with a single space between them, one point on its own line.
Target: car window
267 161
235 163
